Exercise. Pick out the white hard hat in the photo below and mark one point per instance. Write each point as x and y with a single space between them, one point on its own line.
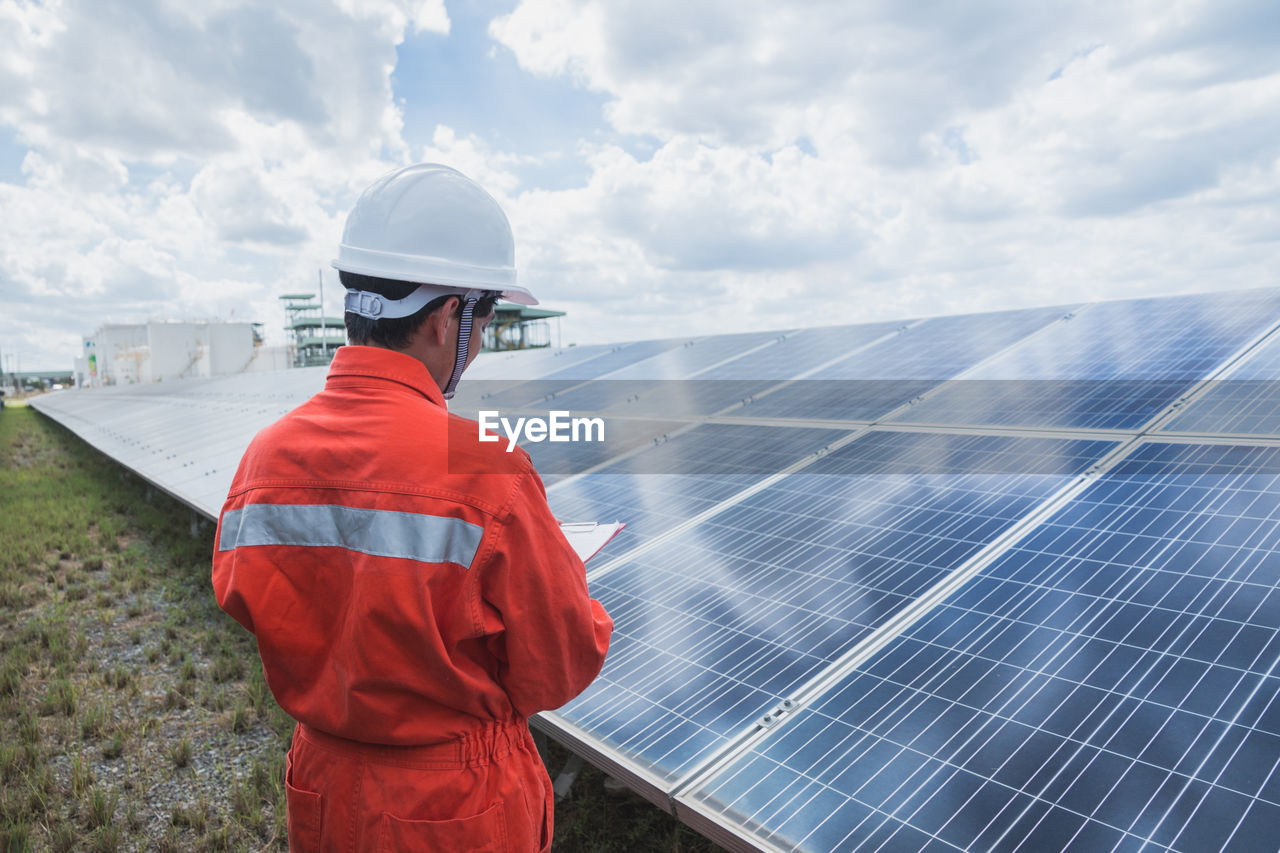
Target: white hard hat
432 225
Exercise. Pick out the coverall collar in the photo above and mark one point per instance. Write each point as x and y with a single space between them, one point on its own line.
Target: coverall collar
378 363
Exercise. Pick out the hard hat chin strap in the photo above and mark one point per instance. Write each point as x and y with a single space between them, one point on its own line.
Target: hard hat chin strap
469 300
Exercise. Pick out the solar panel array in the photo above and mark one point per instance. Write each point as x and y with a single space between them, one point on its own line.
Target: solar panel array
993 582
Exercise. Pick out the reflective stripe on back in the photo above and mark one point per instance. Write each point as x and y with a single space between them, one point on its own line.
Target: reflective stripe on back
377 532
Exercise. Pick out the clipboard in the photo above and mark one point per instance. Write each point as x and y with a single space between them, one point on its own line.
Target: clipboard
588 537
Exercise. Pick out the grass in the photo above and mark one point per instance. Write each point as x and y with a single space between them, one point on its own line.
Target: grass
133 713
100 738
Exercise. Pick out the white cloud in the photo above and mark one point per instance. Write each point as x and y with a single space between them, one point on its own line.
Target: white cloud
898 160
764 165
763 74
186 160
430 16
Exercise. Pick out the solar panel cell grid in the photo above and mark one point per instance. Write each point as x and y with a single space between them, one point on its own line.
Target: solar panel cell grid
799 352
868 384
528 364
556 460
618 358
1245 403
669 483
1122 362
718 623
687 361
864 400
1111 677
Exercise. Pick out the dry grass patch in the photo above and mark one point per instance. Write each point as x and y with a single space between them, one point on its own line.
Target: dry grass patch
108 632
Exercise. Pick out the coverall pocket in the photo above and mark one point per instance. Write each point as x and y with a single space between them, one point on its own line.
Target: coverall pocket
482 833
303 812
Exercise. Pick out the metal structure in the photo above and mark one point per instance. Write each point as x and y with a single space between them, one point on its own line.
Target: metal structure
519 327
994 582
313 337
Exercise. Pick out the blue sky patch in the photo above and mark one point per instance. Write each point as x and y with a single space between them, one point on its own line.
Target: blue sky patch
469 82
11 156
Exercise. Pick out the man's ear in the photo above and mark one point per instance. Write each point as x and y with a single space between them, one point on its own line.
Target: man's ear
436 326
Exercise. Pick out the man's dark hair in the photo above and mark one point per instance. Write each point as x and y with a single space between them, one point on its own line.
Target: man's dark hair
395 332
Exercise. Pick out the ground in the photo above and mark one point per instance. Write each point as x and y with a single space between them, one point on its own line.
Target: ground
133 712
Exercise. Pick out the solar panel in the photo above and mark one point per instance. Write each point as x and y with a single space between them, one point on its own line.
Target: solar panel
798 352
696 356
714 624
1246 402
1108 683
184 436
518 365
723 371
670 483
555 461
494 372
867 384
635 373
595 396
547 377
1114 365
620 357
654 398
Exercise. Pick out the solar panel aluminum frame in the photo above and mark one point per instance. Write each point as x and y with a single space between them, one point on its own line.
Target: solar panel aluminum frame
823 365
725 833
766 339
1078 432
777 339
1218 440
1205 436
1062 433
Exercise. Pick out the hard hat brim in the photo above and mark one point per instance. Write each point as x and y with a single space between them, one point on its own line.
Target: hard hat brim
440 272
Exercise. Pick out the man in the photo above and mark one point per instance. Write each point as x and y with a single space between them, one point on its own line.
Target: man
413 598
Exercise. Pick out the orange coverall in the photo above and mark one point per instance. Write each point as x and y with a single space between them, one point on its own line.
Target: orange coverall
414 601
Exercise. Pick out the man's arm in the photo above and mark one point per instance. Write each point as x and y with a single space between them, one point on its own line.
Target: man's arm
553 635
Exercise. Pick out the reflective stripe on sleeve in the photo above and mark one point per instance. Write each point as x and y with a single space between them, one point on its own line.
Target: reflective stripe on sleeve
379 533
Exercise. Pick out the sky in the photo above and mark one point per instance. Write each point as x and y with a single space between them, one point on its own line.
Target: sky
669 168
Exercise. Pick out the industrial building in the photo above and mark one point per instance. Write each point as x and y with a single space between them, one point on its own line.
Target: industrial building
130 354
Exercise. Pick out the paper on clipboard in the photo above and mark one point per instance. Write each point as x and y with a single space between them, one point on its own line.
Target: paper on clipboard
588 537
